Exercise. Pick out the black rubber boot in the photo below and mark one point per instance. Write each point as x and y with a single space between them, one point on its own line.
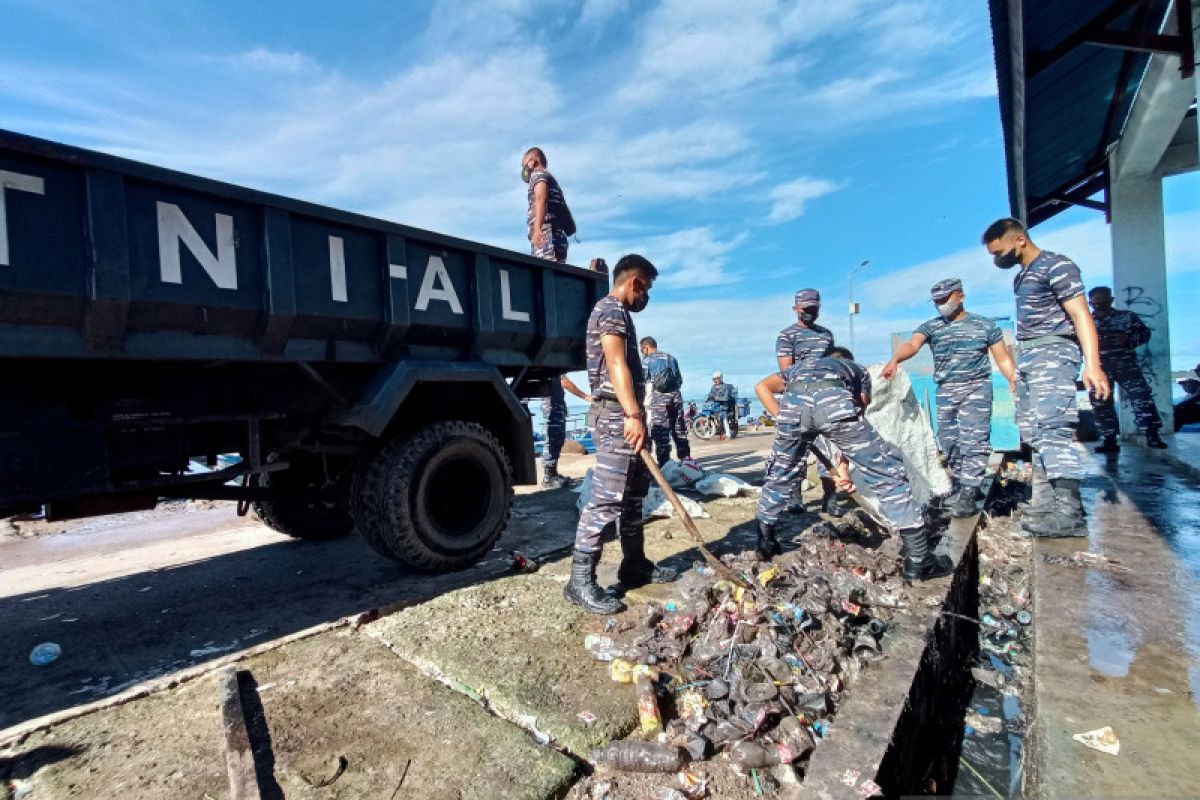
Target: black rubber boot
552 480
1154 440
965 502
768 544
582 589
1110 444
920 562
1066 520
637 570
829 505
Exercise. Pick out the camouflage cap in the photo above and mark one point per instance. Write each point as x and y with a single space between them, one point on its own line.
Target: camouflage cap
808 297
945 288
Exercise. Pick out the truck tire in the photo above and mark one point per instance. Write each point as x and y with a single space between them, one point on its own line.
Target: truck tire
312 511
436 499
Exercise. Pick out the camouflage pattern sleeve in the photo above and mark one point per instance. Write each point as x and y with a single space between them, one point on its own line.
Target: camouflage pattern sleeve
994 334
1064 279
612 321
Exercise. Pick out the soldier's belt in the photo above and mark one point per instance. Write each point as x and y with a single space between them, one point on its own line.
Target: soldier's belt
611 405
813 386
1024 344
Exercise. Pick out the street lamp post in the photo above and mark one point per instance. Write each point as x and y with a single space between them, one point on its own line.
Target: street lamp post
853 305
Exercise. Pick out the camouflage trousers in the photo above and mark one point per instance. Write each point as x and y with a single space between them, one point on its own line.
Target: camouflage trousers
667 423
554 412
1047 411
1125 372
554 245
964 415
876 462
619 485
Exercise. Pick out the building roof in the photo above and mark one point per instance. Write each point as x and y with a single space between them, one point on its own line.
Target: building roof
1068 72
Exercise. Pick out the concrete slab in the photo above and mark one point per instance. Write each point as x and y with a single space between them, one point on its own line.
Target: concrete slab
516 644
1117 644
335 695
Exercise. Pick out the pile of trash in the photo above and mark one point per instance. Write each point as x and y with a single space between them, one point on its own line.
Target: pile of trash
756 670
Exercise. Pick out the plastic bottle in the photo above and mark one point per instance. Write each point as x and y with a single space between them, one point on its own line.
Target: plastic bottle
632 756
749 755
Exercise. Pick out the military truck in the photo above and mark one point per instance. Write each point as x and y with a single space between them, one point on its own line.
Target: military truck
329 370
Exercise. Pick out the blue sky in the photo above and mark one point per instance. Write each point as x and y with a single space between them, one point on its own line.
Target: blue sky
747 153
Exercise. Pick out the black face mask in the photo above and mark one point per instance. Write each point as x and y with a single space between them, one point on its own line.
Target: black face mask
1007 260
525 174
809 315
640 303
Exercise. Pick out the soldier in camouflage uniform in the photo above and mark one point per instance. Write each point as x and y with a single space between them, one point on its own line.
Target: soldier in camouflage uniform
666 407
805 342
826 397
620 480
554 412
1055 333
547 214
960 342
1121 333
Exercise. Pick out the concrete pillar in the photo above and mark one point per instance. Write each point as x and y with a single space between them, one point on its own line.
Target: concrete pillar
1140 281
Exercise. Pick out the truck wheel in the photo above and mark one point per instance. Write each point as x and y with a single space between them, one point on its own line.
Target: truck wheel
310 510
436 499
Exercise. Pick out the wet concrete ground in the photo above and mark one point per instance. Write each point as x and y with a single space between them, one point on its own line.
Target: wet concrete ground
1118 643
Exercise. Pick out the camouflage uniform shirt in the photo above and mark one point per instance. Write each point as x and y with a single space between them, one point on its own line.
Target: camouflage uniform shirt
610 318
803 344
1041 289
960 347
1119 321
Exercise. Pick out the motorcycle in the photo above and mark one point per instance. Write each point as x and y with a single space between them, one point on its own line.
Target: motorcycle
712 421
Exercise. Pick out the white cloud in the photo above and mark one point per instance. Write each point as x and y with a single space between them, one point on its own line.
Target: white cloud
268 60
686 259
788 199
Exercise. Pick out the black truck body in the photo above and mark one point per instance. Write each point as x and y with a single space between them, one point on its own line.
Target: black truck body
368 374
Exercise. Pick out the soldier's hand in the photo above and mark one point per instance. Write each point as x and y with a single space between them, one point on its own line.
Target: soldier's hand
635 433
538 237
1096 382
889 369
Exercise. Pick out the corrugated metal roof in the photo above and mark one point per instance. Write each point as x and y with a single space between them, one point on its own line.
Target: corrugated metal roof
1064 101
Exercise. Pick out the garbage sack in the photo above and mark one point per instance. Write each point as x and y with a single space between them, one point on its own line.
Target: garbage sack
673 472
656 504
895 413
725 485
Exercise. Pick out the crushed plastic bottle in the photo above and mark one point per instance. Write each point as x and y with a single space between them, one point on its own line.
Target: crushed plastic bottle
633 756
45 653
602 648
749 755
649 719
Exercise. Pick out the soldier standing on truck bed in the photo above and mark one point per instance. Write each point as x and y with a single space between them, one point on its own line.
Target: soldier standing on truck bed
960 342
1055 332
548 219
666 403
620 480
1121 332
827 396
